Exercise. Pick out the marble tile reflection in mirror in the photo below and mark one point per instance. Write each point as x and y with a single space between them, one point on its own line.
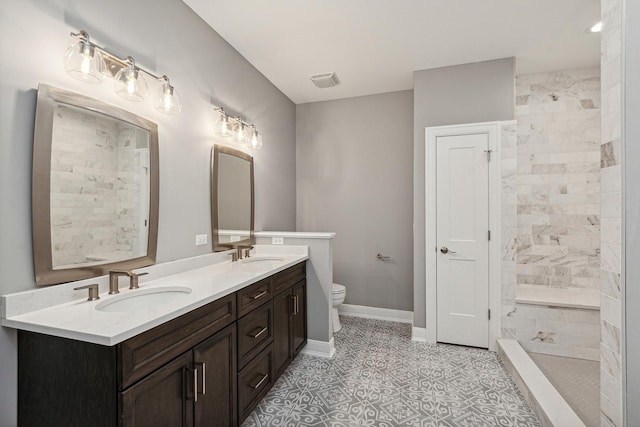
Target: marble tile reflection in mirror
99 188
95 188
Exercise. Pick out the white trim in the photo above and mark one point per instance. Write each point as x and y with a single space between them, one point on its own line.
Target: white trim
376 313
295 235
419 334
544 399
495 196
320 348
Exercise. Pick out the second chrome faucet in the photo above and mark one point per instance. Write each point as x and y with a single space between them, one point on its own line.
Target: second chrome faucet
115 274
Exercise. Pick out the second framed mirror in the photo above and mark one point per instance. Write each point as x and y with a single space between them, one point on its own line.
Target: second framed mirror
232 198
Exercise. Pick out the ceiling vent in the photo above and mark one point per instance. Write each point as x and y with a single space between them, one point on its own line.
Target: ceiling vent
325 80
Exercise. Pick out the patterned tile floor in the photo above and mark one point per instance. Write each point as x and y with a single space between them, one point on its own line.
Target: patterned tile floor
379 377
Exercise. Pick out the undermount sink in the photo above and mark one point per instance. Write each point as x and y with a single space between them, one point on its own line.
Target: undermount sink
143 299
262 259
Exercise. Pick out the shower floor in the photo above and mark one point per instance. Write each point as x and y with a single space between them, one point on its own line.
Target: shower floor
577 381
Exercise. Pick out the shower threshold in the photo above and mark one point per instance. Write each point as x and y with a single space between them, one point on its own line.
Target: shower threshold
548 404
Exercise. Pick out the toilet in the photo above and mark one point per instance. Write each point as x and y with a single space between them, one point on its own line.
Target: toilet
338 293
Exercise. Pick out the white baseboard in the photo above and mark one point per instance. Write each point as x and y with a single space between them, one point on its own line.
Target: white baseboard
419 334
376 313
320 348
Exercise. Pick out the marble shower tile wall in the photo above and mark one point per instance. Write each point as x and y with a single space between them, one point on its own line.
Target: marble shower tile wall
508 165
611 283
128 181
551 209
82 185
558 179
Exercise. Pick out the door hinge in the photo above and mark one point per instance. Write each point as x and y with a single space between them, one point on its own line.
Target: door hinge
489 234
488 154
489 314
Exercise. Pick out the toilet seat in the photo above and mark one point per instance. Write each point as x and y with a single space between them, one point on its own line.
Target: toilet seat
338 289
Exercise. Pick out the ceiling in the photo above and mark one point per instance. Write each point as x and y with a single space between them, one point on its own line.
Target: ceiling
375 45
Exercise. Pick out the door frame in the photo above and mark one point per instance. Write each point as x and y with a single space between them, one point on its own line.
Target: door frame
431 134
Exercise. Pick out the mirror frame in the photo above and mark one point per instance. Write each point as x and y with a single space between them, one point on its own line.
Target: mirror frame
48 98
217 245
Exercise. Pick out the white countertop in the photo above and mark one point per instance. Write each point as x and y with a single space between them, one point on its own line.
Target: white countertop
78 319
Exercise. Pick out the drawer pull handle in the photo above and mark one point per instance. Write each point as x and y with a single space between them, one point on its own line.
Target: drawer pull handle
204 377
260 295
295 308
259 383
260 332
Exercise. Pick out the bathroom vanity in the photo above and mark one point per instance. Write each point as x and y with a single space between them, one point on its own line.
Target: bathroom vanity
209 366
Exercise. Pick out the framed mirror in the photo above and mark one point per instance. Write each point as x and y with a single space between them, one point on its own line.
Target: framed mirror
232 198
95 188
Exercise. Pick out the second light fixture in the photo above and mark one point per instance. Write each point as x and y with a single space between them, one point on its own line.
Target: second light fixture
236 128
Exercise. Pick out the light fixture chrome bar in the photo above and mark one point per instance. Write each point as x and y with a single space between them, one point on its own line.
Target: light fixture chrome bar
237 120
114 62
89 62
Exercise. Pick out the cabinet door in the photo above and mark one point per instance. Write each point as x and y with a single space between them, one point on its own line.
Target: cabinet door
161 399
299 317
215 360
282 304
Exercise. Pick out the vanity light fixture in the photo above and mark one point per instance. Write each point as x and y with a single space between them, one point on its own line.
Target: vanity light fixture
241 131
83 62
223 125
596 28
256 139
91 63
129 83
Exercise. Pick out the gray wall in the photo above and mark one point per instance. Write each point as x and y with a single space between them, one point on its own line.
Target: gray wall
353 161
163 36
469 93
631 218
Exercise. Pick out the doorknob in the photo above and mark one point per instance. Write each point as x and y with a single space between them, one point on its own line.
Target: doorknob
445 250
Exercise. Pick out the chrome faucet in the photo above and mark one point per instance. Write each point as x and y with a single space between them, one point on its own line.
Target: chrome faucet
113 280
247 251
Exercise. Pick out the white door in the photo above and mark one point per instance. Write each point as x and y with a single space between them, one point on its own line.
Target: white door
462 205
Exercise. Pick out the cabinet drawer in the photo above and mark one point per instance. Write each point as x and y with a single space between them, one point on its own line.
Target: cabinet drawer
254 381
254 296
255 332
289 277
144 353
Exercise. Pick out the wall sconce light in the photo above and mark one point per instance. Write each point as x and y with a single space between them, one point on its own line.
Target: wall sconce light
241 131
91 63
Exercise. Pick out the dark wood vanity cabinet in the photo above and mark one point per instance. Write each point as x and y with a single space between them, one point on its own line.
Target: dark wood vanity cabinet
209 367
290 319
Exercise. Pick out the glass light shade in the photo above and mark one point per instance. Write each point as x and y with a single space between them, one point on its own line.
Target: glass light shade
167 100
130 84
240 133
85 63
256 140
224 126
